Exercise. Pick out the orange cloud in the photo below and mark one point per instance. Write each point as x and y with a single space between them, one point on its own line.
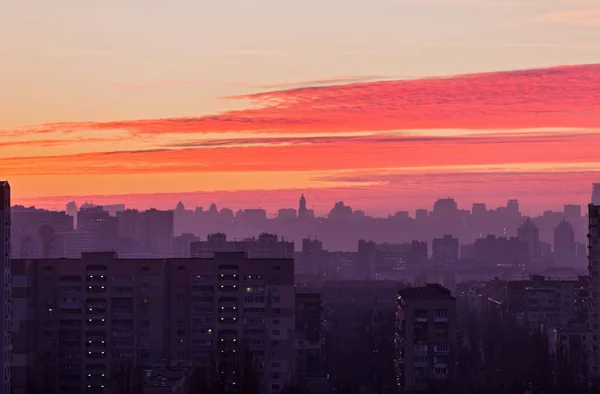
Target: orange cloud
519 125
551 97
323 154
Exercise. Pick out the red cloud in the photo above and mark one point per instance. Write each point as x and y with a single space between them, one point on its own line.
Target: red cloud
552 97
325 154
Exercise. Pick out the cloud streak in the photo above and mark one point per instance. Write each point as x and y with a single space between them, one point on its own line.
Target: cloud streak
553 97
580 18
326 153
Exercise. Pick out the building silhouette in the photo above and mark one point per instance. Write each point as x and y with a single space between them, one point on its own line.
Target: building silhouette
5 284
529 233
594 273
425 339
564 244
596 193
266 245
99 314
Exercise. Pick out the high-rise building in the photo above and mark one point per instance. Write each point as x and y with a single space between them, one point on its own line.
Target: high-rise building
425 339
479 210
99 315
513 207
564 244
308 353
302 206
594 305
25 361
5 284
311 256
596 193
572 213
72 211
529 233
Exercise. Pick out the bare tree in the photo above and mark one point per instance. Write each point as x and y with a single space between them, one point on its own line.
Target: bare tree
204 379
127 379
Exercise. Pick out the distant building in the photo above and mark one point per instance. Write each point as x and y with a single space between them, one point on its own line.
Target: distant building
266 245
529 233
72 211
388 261
425 339
572 213
421 215
479 210
512 207
312 256
287 214
308 346
445 250
302 211
5 284
564 244
182 245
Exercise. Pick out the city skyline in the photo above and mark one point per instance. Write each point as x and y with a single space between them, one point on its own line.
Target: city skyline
432 99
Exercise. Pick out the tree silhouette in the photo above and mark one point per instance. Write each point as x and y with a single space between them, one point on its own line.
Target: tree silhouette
127 379
204 379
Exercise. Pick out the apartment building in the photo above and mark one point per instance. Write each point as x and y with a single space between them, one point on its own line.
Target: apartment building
594 289
539 300
24 328
308 341
425 339
5 284
98 316
265 246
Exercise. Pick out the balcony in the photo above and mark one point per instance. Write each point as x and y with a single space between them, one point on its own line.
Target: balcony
95 389
228 320
96 352
98 343
228 309
229 277
95 287
228 288
96 321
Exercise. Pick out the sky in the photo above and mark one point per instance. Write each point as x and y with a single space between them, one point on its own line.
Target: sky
385 105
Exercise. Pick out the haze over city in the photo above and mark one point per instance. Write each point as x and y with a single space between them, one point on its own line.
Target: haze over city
309 197
250 105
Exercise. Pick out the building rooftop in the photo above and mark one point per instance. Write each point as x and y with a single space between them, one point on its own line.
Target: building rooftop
431 291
